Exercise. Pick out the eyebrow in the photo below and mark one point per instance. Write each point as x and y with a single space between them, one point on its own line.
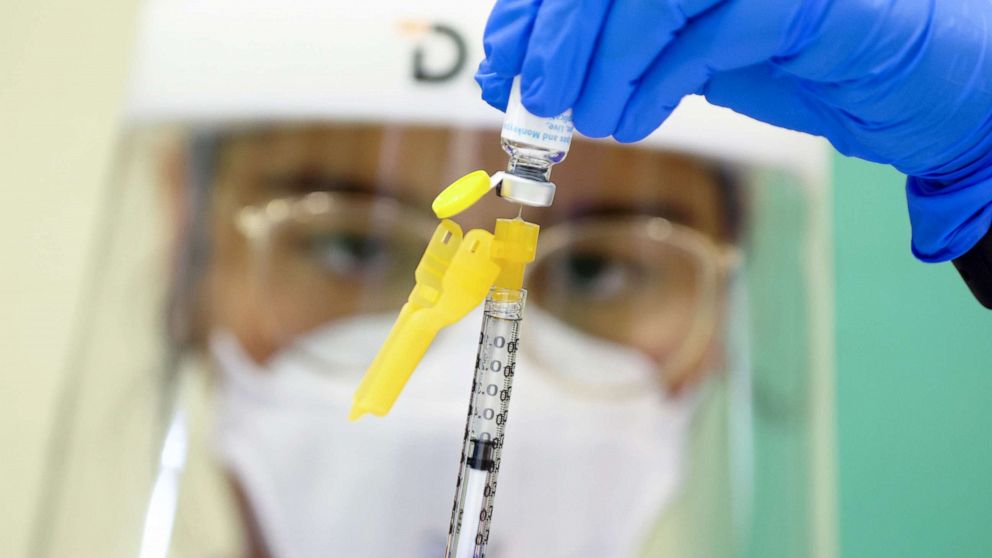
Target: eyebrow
654 209
304 182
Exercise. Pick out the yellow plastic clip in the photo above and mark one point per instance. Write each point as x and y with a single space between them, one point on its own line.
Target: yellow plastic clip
453 277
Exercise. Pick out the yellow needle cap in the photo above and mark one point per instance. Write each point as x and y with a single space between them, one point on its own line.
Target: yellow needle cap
461 194
515 247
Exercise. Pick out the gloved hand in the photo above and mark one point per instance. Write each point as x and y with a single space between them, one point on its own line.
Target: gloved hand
903 82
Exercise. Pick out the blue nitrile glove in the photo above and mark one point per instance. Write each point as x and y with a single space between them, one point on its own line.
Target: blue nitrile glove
904 82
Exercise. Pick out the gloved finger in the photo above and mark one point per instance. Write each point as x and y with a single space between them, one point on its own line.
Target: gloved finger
505 41
635 32
735 34
561 44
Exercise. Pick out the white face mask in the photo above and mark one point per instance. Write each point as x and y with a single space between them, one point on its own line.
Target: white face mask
580 477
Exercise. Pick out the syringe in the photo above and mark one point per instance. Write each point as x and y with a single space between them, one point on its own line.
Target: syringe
452 278
488 409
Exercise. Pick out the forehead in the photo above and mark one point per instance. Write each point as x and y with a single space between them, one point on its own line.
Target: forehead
414 163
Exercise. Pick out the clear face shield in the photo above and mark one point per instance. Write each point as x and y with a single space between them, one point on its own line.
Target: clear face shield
668 398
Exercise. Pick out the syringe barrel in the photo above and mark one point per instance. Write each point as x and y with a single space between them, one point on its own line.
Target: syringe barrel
488 410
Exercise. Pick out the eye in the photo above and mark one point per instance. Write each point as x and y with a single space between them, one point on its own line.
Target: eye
349 253
595 275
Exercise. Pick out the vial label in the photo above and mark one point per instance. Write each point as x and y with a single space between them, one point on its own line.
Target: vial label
519 125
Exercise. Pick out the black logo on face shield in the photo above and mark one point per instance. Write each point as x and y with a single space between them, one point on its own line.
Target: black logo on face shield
436 66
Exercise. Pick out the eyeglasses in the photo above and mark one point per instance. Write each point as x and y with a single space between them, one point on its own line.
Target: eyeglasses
638 281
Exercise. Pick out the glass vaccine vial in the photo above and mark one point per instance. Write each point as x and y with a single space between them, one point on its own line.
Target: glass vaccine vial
534 145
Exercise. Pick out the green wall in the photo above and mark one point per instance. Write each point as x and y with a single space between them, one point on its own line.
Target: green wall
914 385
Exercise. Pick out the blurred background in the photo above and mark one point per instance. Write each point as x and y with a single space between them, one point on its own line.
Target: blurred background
913 357
63 66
